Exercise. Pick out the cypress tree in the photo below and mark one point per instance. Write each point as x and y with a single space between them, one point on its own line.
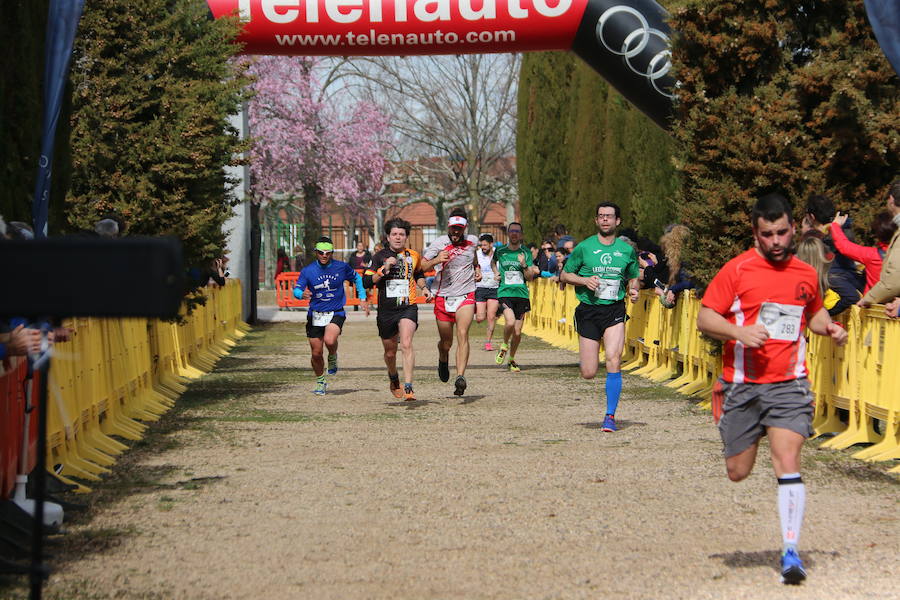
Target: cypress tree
542 153
588 161
793 95
153 89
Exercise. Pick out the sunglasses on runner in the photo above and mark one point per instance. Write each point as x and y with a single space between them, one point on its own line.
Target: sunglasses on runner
324 252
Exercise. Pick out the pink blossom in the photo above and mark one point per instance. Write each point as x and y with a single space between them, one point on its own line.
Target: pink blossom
338 146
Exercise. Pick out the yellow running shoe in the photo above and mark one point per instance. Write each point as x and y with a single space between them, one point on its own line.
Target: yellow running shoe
504 348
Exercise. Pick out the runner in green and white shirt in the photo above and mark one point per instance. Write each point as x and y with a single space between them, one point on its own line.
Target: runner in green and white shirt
603 270
513 266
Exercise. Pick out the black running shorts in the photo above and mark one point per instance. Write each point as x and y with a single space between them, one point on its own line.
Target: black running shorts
483 294
313 331
388 320
591 320
519 306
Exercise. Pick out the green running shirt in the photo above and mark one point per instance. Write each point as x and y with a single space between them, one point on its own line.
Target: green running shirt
512 277
614 265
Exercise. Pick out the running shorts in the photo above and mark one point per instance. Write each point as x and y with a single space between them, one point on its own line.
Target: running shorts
316 331
749 408
591 320
483 294
519 306
440 307
388 321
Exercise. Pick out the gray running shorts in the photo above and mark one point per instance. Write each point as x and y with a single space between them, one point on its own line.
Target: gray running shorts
752 407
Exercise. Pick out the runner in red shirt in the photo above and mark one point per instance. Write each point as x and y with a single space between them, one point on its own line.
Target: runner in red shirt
759 304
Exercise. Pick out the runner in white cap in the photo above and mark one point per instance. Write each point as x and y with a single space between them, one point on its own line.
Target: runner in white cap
453 258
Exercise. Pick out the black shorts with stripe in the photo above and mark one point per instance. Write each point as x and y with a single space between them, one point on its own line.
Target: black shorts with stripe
592 320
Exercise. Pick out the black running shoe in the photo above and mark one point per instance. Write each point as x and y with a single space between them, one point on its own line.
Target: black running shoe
444 371
460 385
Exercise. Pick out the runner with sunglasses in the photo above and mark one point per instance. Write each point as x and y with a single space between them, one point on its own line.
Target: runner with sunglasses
322 283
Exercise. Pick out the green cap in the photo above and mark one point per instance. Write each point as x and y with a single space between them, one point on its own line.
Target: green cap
325 247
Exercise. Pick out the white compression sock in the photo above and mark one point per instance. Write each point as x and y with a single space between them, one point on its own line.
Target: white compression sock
791 504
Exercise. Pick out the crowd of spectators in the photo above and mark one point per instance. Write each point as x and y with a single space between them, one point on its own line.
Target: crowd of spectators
851 273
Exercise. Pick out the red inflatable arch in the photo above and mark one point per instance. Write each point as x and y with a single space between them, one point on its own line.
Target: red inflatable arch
626 41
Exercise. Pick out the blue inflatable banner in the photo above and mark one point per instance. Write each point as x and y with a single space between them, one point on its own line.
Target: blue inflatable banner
62 22
884 15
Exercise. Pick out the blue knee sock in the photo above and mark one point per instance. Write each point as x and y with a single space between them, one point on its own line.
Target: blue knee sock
613 391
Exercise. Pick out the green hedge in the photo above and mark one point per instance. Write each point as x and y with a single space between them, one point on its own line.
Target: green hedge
580 142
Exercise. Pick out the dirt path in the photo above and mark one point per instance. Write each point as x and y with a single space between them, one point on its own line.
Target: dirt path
256 488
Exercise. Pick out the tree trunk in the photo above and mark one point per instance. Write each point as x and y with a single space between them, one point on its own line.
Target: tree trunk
269 229
473 207
351 236
312 219
379 232
511 213
441 217
255 238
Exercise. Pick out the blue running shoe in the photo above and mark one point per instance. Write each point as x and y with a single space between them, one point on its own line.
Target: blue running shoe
792 572
332 364
320 388
609 424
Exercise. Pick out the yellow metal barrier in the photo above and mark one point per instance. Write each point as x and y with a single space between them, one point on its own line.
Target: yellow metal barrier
115 373
861 378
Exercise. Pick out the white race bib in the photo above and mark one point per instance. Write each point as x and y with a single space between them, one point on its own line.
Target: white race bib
513 278
608 289
396 288
487 278
782 321
452 303
321 319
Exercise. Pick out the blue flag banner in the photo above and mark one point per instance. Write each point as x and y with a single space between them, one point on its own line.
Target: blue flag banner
884 15
62 22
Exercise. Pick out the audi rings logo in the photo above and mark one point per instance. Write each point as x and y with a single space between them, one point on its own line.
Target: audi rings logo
636 42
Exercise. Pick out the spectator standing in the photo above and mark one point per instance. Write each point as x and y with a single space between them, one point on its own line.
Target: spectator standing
888 285
672 244
282 263
871 257
820 213
838 294
562 236
546 259
361 258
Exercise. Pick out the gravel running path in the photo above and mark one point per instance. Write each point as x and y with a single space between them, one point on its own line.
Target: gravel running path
256 488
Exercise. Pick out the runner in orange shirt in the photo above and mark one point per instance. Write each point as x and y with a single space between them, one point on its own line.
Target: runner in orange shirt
759 304
396 271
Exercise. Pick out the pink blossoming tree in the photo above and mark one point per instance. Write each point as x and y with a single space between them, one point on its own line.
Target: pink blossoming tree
313 143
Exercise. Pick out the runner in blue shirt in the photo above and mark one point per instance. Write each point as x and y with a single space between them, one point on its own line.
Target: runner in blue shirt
322 283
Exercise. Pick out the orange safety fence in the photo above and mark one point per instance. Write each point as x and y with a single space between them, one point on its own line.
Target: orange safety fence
109 380
284 292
